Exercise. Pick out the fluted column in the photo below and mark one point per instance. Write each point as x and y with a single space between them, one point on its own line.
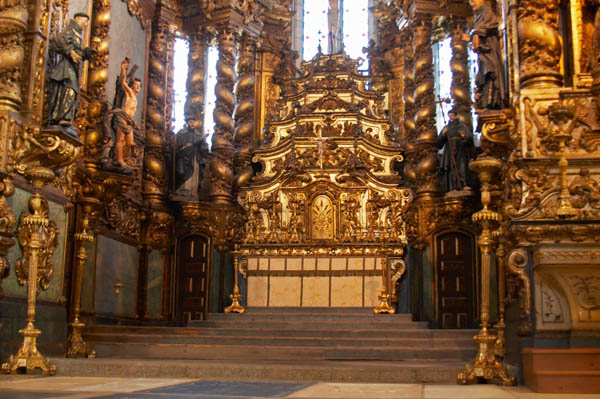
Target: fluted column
538 34
244 111
221 167
424 117
459 64
100 43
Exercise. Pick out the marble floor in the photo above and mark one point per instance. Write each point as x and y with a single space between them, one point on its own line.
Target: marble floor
39 387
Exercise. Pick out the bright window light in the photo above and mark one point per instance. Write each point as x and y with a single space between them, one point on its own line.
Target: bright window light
209 102
356 27
180 74
315 28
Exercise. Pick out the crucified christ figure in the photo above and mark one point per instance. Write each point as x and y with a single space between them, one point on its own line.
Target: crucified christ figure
124 117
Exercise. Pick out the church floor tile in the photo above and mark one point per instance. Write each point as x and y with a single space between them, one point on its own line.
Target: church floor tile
58 387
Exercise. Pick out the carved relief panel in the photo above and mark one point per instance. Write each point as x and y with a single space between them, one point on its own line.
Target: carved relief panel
322 218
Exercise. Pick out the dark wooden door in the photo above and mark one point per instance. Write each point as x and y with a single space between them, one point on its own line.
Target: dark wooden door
455 259
193 278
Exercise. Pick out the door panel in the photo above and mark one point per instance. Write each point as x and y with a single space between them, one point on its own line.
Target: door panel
193 269
455 280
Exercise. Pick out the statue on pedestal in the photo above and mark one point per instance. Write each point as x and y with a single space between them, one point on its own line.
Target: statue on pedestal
456 142
119 124
63 83
485 41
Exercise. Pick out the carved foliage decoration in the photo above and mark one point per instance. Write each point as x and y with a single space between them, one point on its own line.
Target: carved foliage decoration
123 218
47 241
540 45
586 290
159 231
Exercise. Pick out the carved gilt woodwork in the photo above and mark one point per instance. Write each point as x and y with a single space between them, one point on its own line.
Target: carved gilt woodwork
327 168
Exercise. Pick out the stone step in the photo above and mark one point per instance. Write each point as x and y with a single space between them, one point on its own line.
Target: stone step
269 341
298 316
409 371
314 324
313 310
287 332
142 350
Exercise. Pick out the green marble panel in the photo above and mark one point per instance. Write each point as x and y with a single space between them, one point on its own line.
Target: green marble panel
116 261
87 289
155 284
19 203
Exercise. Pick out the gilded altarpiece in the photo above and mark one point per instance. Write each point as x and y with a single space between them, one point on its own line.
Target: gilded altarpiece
327 197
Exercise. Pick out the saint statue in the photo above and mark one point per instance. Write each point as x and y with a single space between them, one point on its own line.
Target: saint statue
119 125
190 159
490 80
63 84
456 142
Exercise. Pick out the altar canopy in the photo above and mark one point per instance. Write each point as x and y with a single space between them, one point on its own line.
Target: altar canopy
327 195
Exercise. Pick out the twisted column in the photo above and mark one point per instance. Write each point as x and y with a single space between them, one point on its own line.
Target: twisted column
154 176
424 117
409 103
100 43
194 103
221 166
460 88
244 112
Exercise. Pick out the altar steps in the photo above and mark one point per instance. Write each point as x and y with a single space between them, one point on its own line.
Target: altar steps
287 334
304 344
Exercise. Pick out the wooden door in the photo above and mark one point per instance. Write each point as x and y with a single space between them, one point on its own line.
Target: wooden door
193 270
455 268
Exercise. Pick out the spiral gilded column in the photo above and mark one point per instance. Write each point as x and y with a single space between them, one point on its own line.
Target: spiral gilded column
154 176
221 167
424 117
194 104
409 104
244 112
100 43
460 88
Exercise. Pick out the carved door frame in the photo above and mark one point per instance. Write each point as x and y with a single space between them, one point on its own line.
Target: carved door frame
177 285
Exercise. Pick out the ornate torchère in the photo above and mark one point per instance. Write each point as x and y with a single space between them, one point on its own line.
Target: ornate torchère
486 365
38 153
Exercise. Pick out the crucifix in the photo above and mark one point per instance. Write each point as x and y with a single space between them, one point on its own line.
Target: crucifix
320 141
